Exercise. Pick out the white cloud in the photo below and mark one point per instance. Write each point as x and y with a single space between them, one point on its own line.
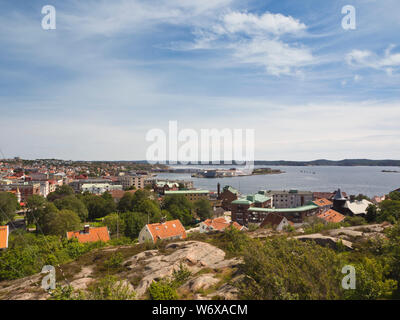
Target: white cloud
276 56
367 59
258 40
252 24
131 16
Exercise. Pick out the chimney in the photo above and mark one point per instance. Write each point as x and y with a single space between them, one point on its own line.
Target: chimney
163 219
86 228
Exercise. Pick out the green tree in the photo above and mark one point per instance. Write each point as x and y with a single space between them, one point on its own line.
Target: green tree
8 207
372 213
60 192
389 210
71 202
126 202
98 207
134 222
370 282
37 209
140 202
394 195
63 221
114 223
203 209
178 207
392 254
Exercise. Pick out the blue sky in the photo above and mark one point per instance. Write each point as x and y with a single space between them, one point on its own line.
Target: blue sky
113 70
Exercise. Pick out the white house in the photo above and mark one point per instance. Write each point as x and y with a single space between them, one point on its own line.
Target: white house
162 231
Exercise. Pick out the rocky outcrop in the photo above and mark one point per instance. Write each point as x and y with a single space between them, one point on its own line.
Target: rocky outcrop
325 240
195 255
202 282
145 267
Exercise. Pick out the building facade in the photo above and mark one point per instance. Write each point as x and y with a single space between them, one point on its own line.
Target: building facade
290 198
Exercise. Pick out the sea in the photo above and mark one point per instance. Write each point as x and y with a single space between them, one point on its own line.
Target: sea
370 181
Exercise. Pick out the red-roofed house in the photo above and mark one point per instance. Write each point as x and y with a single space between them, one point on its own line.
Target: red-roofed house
4 232
90 234
275 221
167 230
323 204
218 224
331 216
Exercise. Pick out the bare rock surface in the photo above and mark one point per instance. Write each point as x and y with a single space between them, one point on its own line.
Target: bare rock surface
324 240
193 254
204 282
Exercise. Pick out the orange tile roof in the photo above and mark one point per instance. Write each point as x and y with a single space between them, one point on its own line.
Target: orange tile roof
95 234
168 229
221 224
332 216
323 202
4 237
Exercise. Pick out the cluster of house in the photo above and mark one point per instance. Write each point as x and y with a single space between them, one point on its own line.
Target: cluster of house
25 182
283 208
278 209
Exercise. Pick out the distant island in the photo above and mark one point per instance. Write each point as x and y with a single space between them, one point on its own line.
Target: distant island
391 171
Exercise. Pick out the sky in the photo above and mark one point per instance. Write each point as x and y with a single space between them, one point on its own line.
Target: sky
112 71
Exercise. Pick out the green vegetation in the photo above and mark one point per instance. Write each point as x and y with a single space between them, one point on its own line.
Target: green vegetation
395 195
48 219
28 253
178 207
8 207
72 203
107 288
203 209
98 206
388 210
165 289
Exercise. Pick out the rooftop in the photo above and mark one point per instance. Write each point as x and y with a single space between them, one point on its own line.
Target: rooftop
187 192
332 216
166 230
4 231
94 234
298 209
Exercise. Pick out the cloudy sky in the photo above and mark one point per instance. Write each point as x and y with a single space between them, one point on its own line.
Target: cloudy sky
113 70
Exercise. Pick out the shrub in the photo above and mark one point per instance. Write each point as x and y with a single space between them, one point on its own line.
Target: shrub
110 288
280 269
114 261
162 290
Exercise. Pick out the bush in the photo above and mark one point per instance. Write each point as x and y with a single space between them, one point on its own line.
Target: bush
28 253
107 288
280 269
355 221
180 276
162 290
370 282
110 288
114 261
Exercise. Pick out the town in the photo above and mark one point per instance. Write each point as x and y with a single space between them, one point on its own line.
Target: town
102 204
